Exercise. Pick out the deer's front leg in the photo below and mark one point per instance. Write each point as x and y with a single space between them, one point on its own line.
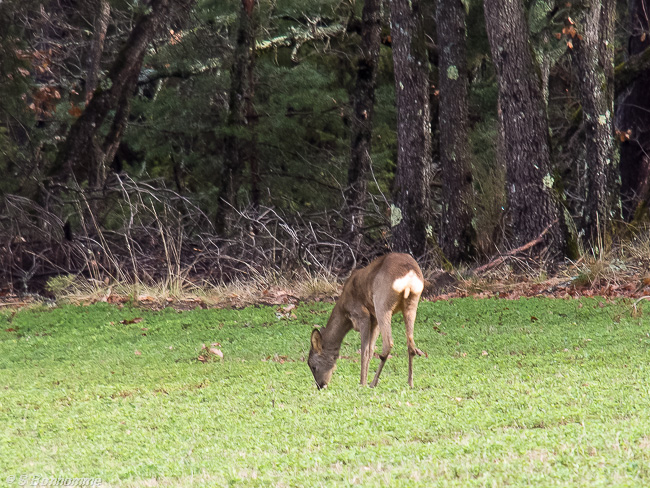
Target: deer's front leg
361 322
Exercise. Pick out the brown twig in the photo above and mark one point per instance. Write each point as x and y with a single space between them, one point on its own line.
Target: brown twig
499 260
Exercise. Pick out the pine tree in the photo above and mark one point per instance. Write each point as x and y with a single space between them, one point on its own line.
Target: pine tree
524 147
410 213
363 107
457 235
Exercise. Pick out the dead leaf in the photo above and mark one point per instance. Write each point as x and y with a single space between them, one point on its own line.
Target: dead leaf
216 352
277 359
286 312
75 111
136 320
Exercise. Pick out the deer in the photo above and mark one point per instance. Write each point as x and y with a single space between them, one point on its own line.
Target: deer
370 297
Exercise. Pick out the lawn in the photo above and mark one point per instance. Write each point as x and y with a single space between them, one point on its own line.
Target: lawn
533 392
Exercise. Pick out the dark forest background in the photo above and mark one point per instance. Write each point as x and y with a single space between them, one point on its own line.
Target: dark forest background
208 140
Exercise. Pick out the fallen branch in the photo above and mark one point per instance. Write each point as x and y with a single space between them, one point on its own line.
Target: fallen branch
497 261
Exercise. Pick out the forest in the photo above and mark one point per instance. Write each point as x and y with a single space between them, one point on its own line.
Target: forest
194 141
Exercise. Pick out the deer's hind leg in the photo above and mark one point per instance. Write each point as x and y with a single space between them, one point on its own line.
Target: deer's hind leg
409 310
384 317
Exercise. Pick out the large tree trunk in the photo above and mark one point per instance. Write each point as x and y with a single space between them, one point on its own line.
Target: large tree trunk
251 120
363 104
532 205
81 148
241 92
410 213
594 53
457 235
632 119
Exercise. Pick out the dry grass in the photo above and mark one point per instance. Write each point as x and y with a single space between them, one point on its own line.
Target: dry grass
271 288
612 269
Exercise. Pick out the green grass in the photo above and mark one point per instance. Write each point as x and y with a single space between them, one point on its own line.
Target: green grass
535 392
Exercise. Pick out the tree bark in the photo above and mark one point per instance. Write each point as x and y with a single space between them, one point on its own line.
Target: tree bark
532 205
102 18
410 213
81 148
594 53
251 120
363 103
457 235
239 98
632 118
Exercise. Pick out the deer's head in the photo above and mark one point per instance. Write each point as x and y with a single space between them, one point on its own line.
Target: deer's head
321 364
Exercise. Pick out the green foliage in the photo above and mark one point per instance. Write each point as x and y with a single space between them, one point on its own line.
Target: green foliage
545 18
58 285
534 392
16 87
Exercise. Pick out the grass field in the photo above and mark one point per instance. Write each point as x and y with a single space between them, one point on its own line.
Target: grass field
534 392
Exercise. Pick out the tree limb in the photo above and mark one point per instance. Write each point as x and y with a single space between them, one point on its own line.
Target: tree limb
629 70
295 38
525 247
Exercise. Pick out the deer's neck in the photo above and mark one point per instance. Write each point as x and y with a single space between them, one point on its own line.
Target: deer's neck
333 333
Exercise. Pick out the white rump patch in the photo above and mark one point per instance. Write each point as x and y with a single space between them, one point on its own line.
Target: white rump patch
408 283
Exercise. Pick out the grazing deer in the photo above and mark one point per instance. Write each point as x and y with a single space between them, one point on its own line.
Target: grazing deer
370 296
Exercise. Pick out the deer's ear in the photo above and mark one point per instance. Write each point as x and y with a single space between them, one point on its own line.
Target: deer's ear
316 341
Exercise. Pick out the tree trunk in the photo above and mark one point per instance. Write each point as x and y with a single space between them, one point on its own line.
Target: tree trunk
363 103
251 121
532 205
457 235
81 148
632 119
594 53
102 18
410 213
239 98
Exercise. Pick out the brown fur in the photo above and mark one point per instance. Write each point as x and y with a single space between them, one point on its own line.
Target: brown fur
367 304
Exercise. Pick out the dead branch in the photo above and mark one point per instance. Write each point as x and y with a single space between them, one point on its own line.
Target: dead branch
501 259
